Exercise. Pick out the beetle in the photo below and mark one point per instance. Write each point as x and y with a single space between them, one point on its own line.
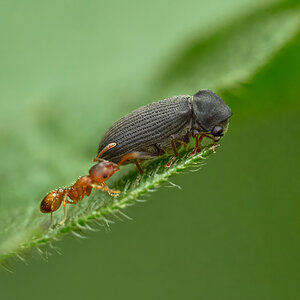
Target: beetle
158 128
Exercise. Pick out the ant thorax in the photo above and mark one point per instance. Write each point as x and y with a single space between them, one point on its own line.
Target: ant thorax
82 187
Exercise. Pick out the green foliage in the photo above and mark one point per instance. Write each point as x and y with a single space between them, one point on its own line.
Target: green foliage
254 39
49 149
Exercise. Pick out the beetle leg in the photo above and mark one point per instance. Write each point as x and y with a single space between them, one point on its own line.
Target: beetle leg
105 188
167 165
175 152
183 143
213 146
195 133
197 148
138 166
159 150
132 156
174 145
199 142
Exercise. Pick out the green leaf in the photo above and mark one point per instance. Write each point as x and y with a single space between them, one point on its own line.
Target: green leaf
233 54
220 60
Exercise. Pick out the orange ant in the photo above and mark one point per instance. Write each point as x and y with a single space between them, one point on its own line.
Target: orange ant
98 174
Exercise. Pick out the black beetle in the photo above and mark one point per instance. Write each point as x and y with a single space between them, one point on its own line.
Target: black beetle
157 128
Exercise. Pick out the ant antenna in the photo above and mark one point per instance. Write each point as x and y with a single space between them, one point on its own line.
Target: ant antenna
108 147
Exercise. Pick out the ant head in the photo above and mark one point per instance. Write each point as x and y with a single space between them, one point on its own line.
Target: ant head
102 171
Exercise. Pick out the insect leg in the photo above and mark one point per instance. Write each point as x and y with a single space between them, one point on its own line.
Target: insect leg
104 187
182 143
175 153
199 139
184 140
134 156
174 146
167 165
65 202
138 166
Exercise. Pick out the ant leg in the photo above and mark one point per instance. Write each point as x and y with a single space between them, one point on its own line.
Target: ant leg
108 147
105 188
175 153
65 202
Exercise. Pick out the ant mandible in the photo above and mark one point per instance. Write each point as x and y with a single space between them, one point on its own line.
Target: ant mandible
98 174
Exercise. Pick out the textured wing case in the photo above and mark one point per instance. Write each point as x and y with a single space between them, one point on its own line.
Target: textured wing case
146 126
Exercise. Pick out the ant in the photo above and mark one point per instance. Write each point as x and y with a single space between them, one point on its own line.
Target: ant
98 174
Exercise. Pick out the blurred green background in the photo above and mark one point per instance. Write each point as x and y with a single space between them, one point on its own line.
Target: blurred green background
71 68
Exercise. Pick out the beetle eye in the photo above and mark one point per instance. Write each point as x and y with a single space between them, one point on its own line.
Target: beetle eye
217 131
104 175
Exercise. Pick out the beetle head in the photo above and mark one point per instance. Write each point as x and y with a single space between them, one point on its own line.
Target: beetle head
211 113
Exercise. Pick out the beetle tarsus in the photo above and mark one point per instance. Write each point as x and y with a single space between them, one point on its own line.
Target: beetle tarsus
213 147
168 165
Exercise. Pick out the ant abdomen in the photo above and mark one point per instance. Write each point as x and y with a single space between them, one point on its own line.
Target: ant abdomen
52 201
